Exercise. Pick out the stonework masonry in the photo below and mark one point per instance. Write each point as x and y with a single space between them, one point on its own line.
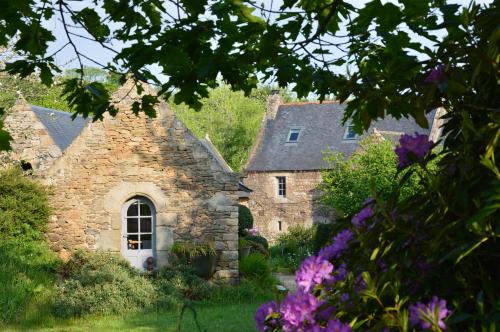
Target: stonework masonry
298 208
121 157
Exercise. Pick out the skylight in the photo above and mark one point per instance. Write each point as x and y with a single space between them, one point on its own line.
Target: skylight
293 135
350 133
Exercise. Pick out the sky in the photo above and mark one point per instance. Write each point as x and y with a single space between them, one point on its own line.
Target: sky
66 58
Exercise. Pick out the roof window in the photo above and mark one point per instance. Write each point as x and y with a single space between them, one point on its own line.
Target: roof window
293 135
350 133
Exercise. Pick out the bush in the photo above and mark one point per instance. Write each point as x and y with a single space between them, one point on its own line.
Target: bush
258 239
179 283
255 267
323 236
245 219
292 247
24 208
247 291
102 283
27 275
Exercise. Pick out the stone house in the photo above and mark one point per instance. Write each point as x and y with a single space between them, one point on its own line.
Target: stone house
129 184
284 167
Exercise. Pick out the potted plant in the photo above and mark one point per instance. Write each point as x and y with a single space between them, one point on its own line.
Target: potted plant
244 247
201 256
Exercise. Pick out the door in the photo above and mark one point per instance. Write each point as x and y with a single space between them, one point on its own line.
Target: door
138 224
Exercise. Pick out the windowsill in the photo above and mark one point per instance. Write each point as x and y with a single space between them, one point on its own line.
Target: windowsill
350 140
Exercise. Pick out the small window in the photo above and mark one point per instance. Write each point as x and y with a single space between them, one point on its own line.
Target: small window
279 226
350 133
281 186
293 135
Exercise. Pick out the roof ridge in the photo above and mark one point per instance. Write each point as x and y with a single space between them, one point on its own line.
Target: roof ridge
57 111
300 103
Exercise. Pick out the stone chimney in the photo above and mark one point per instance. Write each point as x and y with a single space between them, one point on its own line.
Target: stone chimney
273 102
437 124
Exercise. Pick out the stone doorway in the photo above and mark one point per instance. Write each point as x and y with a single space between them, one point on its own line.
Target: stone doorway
138 231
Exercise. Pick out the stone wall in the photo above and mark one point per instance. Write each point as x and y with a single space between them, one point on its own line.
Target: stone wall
30 139
298 208
118 158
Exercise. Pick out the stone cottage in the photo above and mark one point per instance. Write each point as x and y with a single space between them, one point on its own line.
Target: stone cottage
129 184
284 167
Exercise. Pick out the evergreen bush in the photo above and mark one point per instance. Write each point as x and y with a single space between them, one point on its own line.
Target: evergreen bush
24 208
245 219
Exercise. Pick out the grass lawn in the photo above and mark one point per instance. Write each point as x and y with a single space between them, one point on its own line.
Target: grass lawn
230 318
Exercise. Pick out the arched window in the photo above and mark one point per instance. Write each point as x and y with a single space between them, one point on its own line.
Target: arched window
138 230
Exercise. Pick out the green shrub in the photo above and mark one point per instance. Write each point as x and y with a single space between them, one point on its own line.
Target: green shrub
102 283
179 283
292 247
258 239
245 219
323 235
255 267
189 249
24 209
27 276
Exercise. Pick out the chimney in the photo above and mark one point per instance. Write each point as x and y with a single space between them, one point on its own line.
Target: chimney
273 102
437 124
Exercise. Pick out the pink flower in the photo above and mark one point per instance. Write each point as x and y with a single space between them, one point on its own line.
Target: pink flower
312 272
253 231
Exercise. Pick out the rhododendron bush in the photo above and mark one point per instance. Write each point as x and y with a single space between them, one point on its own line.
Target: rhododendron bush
429 261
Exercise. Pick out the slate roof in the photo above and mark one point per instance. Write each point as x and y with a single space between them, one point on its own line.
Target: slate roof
60 126
320 130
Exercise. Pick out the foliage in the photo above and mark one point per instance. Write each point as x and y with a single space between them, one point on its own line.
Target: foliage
190 249
102 283
428 260
245 219
348 183
302 44
258 239
27 277
243 243
24 208
323 235
255 267
291 248
230 119
177 284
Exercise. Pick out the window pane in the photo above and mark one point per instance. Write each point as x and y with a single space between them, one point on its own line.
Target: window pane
133 210
145 210
293 136
146 242
145 225
132 225
133 242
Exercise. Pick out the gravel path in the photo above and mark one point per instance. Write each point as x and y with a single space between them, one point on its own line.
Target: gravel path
287 280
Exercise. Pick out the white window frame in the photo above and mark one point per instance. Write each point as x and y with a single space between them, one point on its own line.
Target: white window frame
292 131
281 186
347 131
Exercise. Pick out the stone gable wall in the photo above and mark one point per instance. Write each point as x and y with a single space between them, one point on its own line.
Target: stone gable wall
299 208
118 158
30 139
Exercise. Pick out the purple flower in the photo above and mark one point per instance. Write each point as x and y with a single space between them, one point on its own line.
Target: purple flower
359 219
325 314
253 231
418 147
339 244
297 311
312 272
436 75
429 315
334 325
359 284
263 313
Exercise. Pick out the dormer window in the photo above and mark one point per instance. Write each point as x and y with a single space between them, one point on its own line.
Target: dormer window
293 135
350 133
